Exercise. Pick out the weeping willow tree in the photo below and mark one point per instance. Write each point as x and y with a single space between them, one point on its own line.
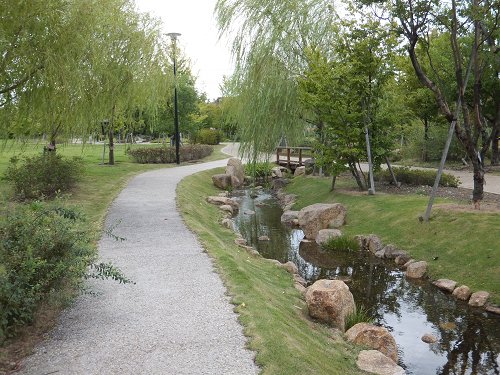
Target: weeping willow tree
66 65
269 40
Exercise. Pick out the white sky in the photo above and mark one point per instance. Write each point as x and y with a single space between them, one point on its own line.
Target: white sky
194 20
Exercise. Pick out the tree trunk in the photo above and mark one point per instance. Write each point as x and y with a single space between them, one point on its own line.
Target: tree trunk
426 140
111 131
494 148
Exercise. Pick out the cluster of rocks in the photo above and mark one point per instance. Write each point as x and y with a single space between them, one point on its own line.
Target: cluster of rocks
331 301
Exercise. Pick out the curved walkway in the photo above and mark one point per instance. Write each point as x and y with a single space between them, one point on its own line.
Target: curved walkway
175 320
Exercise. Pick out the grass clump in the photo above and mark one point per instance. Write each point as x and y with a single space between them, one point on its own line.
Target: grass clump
262 169
341 243
358 315
416 177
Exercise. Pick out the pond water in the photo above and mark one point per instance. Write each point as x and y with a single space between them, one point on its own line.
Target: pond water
469 339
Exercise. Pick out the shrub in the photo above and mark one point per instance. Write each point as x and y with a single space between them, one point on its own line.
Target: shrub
44 253
39 176
357 316
416 177
207 137
262 169
166 154
341 243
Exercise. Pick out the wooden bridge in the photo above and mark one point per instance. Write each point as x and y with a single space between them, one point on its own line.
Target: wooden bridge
288 160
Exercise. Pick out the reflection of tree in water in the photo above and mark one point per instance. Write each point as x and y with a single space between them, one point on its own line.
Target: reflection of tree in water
473 350
473 347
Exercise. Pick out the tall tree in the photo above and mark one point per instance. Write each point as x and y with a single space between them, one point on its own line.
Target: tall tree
469 25
347 93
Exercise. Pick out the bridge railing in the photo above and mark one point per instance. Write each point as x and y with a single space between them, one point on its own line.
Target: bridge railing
291 162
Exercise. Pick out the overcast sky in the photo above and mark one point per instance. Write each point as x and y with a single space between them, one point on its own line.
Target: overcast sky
194 20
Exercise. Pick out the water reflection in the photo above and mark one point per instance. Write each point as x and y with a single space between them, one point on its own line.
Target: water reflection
469 339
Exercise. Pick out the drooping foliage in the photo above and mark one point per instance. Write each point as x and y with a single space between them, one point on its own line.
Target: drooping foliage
68 65
269 52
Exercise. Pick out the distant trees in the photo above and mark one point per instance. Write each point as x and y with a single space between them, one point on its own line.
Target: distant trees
71 66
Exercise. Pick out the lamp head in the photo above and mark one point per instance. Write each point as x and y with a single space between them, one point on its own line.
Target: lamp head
174 35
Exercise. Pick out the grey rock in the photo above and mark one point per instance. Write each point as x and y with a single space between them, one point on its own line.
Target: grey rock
373 243
401 260
288 217
462 293
478 299
380 253
235 168
263 238
279 183
429 338
375 337
222 181
299 171
325 234
290 267
226 207
319 216
375 362
249 212
309 165
390 250
445 284
300 280
416 270
330 301
227 223
277 172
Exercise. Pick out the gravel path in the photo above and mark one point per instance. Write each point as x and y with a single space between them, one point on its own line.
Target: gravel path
175 320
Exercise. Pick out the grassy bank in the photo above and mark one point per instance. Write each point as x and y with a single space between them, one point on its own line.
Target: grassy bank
273 312
462 246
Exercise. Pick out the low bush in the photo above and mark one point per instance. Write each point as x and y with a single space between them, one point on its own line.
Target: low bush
262 169
44 254
39 176
416 177
207 137
166 154
341 243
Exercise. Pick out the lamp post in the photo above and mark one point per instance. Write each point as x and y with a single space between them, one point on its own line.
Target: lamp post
174 36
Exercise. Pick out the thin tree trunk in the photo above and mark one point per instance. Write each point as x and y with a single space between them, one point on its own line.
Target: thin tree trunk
111 131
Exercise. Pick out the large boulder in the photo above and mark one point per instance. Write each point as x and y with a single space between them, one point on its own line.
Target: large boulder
288 217
374 337
222 181
279 183
375 362
276 172
325 234
321 216
330 301
224 201
235 168
416 270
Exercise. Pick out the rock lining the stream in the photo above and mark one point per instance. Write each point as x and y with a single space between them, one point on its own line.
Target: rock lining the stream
375 337
375 362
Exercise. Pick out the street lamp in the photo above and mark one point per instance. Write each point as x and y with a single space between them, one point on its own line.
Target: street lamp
174 36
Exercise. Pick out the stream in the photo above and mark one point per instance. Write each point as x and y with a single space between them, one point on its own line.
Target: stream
468 338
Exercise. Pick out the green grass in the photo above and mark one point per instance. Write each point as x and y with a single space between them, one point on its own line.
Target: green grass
464 243
273 312
101 184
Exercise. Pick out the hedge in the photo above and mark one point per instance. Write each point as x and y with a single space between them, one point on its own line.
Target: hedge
166 154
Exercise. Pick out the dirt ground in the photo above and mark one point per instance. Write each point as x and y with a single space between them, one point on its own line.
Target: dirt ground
460 198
